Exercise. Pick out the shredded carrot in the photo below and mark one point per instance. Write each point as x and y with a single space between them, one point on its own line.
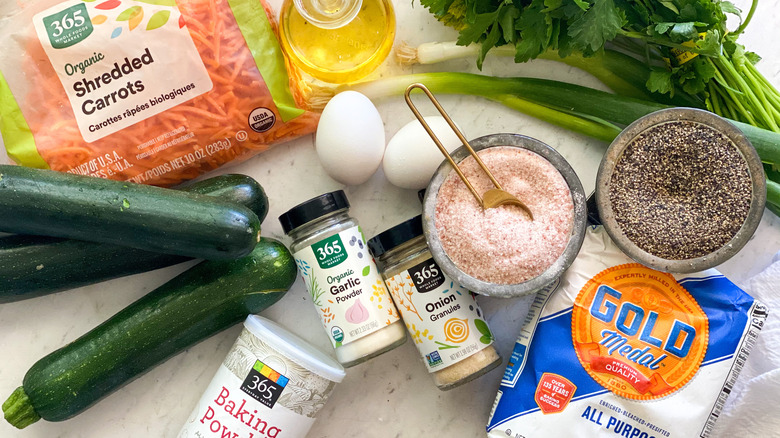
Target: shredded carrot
216 116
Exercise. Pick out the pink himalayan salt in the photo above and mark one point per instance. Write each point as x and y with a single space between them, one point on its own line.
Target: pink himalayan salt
502 245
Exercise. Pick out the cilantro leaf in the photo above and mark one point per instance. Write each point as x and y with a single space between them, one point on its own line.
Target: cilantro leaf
753 57
730 8
681 32
688 13
710 45
663 27
599 24
670 5
506 19
704 69
489 42
582 4
535 31
474 30
437 7
695 74
450 13
660 81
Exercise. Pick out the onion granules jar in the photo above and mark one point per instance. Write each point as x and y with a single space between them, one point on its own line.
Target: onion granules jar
441 316
271 384
342 279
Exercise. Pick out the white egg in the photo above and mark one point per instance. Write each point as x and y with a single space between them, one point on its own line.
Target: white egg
350 139
411 157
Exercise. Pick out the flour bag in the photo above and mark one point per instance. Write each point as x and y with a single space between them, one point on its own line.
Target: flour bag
621 350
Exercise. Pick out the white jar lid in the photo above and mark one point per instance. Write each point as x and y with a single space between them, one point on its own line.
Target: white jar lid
295 348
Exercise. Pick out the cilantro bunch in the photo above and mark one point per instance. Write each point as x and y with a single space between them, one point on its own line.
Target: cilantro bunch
672 51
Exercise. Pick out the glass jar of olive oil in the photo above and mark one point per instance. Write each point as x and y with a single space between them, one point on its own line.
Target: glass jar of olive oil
337 41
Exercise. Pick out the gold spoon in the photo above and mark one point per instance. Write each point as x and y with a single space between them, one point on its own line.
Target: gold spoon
492 198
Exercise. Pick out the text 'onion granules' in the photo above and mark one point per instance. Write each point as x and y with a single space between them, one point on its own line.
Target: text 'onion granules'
503 245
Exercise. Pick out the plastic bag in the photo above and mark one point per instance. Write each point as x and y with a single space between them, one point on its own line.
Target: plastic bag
619 349
149 91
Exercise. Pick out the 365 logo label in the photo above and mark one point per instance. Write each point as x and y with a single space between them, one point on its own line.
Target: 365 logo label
264 384
330 252
427 276
68 27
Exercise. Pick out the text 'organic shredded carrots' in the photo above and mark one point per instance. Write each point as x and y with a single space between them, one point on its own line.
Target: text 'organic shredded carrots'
150 91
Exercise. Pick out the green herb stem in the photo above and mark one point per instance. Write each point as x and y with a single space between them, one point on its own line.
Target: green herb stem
751 101
716 101
767 92
731 98
744 24
658 41
764 81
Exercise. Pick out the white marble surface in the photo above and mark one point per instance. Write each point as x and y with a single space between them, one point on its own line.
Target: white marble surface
390 396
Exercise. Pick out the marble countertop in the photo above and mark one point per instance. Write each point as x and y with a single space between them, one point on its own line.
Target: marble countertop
392 395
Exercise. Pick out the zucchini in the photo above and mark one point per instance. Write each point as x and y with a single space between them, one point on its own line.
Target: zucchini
32 266
208 298
233 187
50 203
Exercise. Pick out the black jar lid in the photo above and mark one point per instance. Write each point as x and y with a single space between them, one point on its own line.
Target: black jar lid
312 209
398 235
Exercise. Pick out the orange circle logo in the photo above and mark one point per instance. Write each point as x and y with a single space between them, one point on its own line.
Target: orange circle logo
638 332
456 330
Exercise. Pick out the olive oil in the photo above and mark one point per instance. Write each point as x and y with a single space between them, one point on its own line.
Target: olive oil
337 40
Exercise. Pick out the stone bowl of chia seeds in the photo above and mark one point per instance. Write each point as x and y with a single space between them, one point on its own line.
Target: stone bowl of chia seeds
681 190
501 251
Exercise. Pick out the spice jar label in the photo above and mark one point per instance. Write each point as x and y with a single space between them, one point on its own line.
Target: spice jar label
442 317
637 332
345 286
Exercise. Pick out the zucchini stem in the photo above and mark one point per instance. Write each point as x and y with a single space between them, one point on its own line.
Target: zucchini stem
18 409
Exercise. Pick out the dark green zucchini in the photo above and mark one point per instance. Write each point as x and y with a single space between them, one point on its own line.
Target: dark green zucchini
208 298
32 266
232 187
58 204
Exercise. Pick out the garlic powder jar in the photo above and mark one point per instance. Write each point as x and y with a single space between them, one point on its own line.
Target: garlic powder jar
271 384
441 316
342 279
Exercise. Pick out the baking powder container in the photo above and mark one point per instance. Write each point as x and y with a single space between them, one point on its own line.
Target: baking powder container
556 268
271 384
678 191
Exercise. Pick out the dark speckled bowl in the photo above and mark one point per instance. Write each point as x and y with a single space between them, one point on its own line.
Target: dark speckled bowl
606 170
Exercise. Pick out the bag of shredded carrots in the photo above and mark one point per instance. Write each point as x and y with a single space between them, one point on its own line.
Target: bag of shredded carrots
149 91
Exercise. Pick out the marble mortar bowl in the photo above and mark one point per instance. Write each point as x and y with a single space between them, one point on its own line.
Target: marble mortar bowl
612 157
554 271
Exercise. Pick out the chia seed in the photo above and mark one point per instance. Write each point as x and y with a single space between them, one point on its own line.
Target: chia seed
680 190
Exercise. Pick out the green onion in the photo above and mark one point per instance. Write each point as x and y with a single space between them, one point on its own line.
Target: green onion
591 112
621 73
